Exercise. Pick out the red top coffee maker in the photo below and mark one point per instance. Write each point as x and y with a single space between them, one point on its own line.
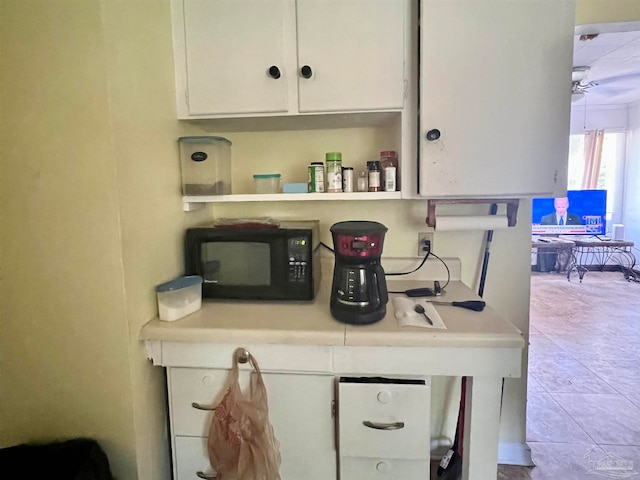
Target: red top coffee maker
359 288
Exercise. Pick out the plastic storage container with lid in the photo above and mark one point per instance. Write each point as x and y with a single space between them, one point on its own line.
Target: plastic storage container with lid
180 297
267 183
206 165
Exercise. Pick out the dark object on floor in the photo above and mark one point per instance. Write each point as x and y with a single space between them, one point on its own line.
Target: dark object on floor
76 459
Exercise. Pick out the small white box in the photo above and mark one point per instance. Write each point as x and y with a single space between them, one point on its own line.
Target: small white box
180 297
617 231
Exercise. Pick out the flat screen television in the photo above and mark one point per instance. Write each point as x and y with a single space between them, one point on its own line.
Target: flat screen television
583 213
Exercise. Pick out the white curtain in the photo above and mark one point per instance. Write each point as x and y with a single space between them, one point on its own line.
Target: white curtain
593 140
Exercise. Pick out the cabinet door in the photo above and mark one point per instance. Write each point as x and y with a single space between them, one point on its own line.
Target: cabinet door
229 49
300 407
192 459
355 50
496 82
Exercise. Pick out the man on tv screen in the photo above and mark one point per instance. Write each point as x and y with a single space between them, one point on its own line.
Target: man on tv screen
561 216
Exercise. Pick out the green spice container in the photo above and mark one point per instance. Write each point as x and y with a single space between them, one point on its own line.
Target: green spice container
334 171
316 177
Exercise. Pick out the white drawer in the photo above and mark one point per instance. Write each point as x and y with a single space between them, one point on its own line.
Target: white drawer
386 420
192 458
354 468
299 409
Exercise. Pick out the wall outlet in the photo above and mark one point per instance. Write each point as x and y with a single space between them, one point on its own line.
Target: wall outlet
423 237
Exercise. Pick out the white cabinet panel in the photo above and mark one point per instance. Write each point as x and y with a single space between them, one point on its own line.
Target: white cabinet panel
300 408
355 50
495 81
192 460
230 46
385 420
383 469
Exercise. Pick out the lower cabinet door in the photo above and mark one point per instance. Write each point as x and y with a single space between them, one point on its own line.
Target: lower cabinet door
300 410
356 468
191 459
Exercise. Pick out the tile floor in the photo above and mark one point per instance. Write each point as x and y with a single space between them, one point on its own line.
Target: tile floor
584 378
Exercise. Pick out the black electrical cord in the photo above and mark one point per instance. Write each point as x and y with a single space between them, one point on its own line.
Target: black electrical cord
424 259
327 247
446 267
427 291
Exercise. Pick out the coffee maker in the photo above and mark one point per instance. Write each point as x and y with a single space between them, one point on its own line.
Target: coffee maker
359 289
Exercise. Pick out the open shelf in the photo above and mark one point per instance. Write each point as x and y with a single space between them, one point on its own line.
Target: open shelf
193 202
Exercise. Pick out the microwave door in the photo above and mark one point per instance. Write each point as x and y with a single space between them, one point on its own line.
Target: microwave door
242 269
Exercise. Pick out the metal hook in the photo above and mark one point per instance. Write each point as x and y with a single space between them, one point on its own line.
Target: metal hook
242 355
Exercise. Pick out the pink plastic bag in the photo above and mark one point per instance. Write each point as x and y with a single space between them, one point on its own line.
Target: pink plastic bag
242 445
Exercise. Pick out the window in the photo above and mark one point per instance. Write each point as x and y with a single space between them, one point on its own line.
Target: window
610 177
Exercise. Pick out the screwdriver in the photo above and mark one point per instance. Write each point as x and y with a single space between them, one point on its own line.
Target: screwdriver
475 305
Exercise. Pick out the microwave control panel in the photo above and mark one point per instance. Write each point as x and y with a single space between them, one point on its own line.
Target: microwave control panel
298 251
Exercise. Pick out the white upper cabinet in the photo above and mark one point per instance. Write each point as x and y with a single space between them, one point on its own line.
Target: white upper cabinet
495 83
238 58
353 51
230 56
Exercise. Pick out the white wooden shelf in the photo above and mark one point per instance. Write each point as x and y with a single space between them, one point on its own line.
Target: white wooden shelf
195 202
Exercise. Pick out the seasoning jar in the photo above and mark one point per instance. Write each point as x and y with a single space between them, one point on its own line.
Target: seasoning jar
316 177
334 171
362 182
373 168
389 165
347 179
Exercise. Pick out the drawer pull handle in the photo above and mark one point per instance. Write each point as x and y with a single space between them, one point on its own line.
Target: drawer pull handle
384 426
201 407
207 476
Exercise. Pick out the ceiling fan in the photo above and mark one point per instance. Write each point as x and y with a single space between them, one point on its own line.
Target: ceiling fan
579 82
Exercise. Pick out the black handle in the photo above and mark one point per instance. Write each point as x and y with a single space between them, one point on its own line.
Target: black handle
274 72
384 293
306 71
433 134
475 305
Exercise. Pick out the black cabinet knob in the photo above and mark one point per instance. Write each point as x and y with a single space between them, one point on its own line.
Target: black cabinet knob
306 71
274 72
433 135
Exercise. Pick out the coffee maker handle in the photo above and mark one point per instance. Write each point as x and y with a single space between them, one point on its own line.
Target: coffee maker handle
382 284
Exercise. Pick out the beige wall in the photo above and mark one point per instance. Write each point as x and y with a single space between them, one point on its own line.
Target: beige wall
64 347
607 11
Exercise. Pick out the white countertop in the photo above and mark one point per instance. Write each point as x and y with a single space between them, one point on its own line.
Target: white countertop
311 323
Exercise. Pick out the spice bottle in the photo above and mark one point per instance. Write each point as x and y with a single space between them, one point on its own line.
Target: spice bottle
334 171
316 177
374 175
362 182
389 160
347 179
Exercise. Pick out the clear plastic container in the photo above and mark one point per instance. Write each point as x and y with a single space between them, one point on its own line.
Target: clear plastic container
267 183
179 298
206 165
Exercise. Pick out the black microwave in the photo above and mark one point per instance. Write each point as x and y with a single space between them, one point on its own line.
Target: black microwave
280 263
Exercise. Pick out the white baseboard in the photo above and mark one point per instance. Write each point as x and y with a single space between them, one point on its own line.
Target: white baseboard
515 454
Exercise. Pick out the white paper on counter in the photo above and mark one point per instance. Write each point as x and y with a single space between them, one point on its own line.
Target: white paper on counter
407 316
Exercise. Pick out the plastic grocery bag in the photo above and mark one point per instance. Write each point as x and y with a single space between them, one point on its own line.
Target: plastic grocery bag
241 444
